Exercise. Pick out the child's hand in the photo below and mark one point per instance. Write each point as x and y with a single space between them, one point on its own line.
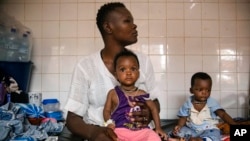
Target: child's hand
111 126
162 134
176 129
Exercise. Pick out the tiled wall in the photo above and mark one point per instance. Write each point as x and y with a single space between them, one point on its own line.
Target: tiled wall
180 36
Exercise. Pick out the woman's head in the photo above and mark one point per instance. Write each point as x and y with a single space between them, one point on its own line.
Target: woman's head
201 86
116 23
126 65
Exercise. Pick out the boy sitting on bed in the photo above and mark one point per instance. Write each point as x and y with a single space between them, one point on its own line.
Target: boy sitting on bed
198 115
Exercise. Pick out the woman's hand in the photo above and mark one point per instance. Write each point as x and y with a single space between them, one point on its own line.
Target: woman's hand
103 134
144 116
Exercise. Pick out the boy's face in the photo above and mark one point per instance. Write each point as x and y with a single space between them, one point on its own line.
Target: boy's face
201 89
121 26
127 70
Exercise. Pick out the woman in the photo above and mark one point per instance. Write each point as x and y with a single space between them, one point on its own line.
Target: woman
94 76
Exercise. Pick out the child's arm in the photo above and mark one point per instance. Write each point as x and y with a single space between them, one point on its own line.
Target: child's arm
155 114
108 109
225 117
181 122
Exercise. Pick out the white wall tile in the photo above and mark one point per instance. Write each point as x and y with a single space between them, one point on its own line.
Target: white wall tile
243 46
68 46
228 81
85 46
229 99
157 46
193 28
157 10
227 11
193 63
161 80
50 29
50 83
68 11
142 28
193 46
227 29
175 81
176 99
243 64
243 11
36 83
51 11
50 46
227 46
86 28
210 46
157 28
175 46
140 10
175 63
243 99
243 28
68 29
86 11
211 63
175 28
210 11
50 64
210 28
65 80
243 81
67 64
33 12
228 63
159 63
175 11
192 10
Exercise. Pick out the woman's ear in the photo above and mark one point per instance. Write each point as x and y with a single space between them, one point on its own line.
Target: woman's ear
106 27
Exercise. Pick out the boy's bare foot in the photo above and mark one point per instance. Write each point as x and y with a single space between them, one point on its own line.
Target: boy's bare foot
176 139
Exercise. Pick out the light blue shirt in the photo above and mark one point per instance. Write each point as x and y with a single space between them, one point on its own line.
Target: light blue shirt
208 122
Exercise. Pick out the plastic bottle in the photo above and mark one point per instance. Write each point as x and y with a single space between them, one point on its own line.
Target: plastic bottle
24 48
11 45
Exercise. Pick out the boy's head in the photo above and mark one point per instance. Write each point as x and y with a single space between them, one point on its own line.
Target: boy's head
201 85
104 11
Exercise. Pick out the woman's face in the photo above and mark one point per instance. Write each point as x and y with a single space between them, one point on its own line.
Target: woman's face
122 26
127 70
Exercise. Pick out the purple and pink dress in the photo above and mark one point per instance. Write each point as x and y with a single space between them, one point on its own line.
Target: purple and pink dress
125 129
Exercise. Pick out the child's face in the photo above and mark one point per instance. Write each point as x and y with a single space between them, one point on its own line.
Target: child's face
201 89
127 70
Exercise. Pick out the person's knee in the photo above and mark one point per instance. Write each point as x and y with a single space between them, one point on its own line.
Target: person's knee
66 135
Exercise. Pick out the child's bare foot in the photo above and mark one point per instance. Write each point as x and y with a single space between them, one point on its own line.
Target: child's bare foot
176 139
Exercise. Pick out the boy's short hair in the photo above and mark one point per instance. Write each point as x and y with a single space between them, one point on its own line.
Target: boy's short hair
200 75
104 11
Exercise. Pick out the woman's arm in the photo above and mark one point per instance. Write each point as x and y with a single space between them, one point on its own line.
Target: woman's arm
78 127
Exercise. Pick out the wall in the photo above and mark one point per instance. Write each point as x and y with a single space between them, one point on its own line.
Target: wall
180 36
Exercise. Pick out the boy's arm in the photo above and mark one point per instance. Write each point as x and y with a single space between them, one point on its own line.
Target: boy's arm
225 117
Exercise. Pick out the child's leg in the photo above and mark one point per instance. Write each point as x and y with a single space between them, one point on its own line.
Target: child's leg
176 139
211 135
